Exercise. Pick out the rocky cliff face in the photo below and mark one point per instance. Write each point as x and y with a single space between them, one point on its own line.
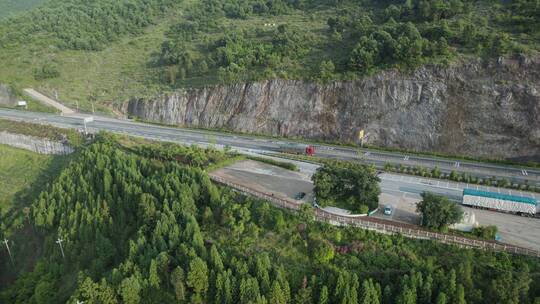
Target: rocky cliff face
481 109
6 95
34 144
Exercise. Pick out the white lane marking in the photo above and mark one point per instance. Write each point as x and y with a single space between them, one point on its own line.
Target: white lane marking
524 172
406 158
456 164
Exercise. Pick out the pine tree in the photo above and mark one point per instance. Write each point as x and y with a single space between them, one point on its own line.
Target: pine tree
197 278
460 295
153 275
441 298
249 290
323 297
130 289
177 281
215 259
368 293
304 294
387 295
277 295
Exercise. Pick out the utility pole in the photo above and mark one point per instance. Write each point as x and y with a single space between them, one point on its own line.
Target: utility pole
59 242
9 250
85 121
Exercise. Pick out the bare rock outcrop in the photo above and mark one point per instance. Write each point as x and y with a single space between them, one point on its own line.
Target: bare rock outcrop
475 108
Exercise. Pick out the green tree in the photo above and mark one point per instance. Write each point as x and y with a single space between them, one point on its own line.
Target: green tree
197 278
351 186
130 290
177 282
438 212
368 293
326 71
153 275
277 295
441 298
323 296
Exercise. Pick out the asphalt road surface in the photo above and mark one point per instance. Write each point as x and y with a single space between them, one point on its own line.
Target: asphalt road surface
201 137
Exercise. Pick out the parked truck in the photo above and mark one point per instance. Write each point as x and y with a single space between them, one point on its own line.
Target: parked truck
500 202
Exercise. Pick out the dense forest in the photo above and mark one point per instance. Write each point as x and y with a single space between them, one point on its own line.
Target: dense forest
146 225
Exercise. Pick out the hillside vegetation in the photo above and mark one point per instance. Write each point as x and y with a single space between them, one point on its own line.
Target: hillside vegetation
146 225
106 51
12 7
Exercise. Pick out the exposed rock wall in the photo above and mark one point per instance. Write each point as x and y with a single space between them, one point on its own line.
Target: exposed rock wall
6 95
481 109
34 144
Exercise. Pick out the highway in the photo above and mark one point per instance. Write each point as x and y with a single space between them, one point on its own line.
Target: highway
257 143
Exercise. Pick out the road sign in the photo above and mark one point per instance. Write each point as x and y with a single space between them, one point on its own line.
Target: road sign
88 119
361 134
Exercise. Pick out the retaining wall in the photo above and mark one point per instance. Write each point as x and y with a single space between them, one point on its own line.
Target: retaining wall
35 144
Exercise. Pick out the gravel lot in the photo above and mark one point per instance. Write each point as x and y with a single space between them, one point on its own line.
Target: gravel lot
281 182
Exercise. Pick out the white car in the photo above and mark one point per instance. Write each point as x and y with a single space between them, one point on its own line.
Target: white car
388 210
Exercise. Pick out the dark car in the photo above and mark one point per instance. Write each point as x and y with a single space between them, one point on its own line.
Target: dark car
300 195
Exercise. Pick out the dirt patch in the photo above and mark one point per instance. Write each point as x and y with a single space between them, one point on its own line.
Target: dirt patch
276 181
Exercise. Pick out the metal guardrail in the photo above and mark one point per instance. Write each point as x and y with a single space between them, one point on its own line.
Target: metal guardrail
384 226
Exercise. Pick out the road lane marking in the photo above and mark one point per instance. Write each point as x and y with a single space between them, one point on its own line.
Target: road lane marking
406 158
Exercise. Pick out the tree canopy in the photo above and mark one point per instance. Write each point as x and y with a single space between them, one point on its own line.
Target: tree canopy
353 187
438 212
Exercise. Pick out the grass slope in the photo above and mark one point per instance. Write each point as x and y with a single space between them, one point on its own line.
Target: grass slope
21 172
10 7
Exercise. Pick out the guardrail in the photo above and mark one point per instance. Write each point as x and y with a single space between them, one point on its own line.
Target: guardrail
384 226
